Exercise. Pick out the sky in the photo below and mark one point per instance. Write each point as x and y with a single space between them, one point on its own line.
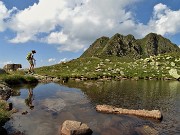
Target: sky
61 30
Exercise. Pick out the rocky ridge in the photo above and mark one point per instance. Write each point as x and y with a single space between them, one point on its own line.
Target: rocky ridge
127 46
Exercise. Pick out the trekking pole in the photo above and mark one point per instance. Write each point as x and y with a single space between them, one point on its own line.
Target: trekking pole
34 62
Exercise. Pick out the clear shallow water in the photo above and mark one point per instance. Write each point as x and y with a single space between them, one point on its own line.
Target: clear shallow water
52 104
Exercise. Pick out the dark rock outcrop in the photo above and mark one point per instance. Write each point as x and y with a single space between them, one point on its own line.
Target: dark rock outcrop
2 71
12 67
5 91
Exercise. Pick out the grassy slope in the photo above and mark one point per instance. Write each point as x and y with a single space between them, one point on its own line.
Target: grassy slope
156 67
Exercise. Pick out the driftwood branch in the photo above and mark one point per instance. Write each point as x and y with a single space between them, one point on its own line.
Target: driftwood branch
156 114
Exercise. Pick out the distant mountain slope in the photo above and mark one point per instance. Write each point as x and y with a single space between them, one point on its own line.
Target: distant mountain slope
128 46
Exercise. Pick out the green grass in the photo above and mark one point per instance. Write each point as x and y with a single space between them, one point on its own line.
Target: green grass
157 67
18 77
4 114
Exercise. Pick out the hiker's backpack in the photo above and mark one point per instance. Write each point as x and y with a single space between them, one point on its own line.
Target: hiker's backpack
28 57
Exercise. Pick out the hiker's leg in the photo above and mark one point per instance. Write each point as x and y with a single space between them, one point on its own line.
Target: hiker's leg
30 66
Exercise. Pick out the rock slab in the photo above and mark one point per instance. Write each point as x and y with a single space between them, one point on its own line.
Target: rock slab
75 128
156 114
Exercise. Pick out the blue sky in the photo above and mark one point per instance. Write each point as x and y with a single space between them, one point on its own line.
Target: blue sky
61 30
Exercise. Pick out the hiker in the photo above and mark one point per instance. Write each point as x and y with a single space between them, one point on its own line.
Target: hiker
31 60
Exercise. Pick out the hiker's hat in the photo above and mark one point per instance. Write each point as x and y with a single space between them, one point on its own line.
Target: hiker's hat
33 51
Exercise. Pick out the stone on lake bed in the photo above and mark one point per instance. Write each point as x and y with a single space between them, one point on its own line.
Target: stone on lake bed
156 114
55 105
146 130
70 127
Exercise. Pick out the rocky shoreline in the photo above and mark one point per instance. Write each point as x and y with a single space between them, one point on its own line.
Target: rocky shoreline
47 78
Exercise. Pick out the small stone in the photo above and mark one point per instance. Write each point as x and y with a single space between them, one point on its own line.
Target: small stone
173 64
24 113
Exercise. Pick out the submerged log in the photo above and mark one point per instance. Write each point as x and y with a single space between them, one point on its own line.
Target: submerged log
156 114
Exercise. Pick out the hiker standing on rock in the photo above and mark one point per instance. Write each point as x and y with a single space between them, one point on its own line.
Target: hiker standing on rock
31 60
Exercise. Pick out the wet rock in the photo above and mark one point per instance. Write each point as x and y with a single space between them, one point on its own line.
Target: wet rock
14 110
75 128
56 79
5 91
7 106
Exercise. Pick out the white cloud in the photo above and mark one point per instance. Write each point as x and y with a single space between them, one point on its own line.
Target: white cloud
80 22
3 14
57 37
63 60
164 21
73 25
51 60
6 62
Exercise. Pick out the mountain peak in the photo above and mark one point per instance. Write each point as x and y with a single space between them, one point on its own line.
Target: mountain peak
128 46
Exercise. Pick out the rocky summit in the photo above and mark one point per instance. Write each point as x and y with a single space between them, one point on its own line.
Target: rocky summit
128 46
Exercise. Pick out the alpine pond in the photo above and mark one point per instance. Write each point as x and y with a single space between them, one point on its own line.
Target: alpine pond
51 104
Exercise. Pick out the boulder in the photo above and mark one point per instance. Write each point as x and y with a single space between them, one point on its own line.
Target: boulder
12 67
75 128
2 71
173 73
173 64
5 91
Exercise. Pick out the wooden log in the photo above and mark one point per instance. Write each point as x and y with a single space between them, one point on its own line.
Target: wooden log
156 114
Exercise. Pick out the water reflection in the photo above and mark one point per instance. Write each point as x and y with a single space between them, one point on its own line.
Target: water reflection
30 98
130 94
55 103
161 95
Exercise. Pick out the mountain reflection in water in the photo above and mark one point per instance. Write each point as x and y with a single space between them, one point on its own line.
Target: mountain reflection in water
55 103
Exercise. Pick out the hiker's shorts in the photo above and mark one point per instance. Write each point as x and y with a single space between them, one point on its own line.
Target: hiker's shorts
30 62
